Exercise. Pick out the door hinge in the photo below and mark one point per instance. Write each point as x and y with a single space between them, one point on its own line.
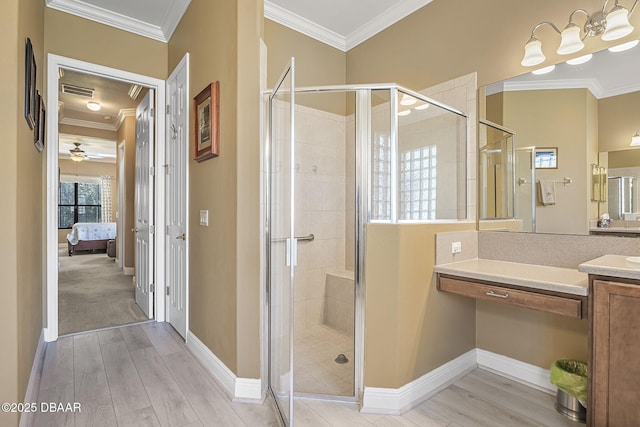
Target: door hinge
167 290
152 287
152 111
152 229
152 170
168 109
167 230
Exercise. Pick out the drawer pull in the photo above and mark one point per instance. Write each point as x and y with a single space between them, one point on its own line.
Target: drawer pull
493 294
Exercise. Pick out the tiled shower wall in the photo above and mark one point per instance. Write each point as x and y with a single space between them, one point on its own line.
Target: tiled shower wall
320 192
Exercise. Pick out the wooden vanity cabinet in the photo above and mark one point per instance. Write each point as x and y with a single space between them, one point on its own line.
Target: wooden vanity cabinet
614 343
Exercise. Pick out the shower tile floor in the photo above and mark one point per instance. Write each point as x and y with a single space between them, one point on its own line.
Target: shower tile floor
315 369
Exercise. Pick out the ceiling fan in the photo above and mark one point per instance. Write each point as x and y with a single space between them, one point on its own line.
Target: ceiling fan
77 153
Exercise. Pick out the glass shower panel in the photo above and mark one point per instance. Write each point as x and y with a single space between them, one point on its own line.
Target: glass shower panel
380 184
281 251
324 295
432 161
525 194
496 173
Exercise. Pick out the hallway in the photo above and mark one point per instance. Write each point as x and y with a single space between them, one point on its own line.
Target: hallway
143 375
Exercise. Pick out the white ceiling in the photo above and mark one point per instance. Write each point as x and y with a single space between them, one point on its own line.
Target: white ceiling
342 24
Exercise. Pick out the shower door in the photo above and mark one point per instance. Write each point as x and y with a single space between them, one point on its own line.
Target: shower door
282 245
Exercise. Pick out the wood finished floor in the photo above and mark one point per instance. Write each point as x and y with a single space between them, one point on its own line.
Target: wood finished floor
143 375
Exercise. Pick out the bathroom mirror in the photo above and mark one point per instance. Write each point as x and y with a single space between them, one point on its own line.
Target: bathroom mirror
588 113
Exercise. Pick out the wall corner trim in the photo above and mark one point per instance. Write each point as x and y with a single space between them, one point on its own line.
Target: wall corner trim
396 401
245 390
31 394
524 373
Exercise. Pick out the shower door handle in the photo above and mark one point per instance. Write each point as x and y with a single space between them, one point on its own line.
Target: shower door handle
310 238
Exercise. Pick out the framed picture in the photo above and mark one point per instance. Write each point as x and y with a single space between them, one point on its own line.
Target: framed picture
40 128
546 158
206 109
29 85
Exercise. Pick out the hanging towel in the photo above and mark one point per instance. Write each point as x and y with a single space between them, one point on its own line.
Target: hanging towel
547 192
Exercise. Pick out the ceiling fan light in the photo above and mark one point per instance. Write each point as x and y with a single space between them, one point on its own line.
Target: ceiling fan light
635 140
624 46
580 59
77 158
533 53
94 106
618 24
571 41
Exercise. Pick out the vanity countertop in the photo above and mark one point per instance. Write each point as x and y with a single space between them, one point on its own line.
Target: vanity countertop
615 229
612 265
565 280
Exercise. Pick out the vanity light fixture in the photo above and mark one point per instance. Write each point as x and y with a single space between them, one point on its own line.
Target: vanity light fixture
94 105
580 59
635 140
609 25
407 100
624 46
544 70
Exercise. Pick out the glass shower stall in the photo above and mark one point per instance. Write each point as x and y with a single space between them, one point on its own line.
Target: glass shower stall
336 159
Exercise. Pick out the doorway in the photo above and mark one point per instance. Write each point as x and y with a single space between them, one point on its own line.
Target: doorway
157 286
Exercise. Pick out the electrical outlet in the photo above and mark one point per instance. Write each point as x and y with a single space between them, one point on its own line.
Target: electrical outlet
456 247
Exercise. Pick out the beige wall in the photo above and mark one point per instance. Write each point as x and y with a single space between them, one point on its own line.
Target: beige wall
618 119
223 40
127 133
23 191
70 36
624 158
411 328
562 119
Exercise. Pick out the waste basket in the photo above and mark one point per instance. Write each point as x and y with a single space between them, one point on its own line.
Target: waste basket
570 376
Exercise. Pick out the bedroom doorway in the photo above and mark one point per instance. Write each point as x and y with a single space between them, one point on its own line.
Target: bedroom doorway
83 278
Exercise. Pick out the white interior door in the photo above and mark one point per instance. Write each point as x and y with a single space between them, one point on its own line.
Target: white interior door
144 204
177 150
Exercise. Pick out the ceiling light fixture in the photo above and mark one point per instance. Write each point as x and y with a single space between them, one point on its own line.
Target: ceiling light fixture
624 46
635 140
611 25
580 59
94 105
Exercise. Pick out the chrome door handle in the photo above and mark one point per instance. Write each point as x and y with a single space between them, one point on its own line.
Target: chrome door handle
183 236
493 294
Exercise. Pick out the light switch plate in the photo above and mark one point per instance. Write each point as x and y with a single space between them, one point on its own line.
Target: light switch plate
456 247
204 218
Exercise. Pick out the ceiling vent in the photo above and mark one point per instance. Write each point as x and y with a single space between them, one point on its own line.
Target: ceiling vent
134 91
77 90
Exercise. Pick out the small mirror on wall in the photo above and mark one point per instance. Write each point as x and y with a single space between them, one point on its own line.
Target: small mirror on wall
546 158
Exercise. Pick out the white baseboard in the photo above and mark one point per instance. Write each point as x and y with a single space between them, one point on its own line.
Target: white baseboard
396 401
247 390
129 271
524 373
31 395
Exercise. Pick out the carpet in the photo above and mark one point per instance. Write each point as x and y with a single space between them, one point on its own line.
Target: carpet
93 293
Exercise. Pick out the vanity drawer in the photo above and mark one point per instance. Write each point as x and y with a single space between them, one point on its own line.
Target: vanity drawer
564 306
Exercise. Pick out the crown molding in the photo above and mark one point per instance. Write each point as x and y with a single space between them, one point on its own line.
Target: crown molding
344 43
383 21
94 13
591 84
123 114
87 124
303 25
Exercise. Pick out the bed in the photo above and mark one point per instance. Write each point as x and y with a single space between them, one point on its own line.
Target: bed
86 236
